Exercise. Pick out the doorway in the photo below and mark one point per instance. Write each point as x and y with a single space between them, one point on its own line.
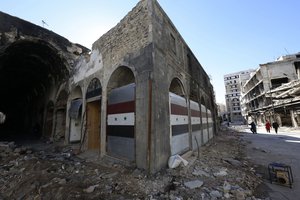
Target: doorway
93 124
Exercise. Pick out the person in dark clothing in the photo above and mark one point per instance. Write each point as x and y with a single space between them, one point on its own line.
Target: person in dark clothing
275 126
253 127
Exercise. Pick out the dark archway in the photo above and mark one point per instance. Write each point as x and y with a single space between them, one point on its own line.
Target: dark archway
29 72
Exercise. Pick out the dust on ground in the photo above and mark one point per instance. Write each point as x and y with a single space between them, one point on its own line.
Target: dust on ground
217 171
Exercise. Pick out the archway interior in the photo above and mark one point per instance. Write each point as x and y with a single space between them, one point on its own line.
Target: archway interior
28 71
176 87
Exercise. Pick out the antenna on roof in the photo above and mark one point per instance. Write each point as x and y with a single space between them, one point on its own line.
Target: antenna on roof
44 23
286 51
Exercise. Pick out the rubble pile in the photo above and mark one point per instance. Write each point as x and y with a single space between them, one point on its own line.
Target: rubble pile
218 172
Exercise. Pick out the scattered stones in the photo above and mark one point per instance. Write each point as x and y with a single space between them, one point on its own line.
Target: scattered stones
199 172
193 184
109 175
240 195
215 194
58 173
222 172
234 162
90 189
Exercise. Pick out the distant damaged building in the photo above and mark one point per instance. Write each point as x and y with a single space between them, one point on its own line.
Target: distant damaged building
272 92
139 96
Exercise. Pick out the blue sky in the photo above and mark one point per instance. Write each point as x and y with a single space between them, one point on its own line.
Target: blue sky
226 36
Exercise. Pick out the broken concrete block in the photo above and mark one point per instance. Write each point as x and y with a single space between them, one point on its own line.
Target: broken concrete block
193 184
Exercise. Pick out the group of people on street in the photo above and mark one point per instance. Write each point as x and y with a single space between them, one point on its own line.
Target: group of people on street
274 125
268 126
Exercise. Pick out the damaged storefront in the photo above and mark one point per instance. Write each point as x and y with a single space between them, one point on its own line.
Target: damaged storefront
138 97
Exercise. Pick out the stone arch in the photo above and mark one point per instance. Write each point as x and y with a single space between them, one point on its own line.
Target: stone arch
75 115
120 131
29 69
60 115
179 128
177 87
93 113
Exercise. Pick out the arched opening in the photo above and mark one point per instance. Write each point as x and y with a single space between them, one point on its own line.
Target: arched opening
121 114
93 113
179 123
60 116
28 72
75 115
176 87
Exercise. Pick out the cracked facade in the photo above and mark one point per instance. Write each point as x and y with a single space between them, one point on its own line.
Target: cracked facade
139 96
272 92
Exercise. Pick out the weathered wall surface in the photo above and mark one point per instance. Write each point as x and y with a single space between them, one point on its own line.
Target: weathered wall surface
172 59
128 44
129 36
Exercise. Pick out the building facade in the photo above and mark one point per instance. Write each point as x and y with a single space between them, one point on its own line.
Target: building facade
139 96
269 93
233 88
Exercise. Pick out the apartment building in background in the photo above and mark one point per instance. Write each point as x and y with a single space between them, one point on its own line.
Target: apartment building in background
233 88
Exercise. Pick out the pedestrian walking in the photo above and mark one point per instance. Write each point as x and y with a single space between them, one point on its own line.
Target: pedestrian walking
268 126
253 127
275 126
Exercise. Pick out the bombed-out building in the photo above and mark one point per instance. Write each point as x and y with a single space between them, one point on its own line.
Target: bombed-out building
139 96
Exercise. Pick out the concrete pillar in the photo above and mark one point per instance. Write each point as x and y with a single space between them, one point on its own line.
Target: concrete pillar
278 119
294 122
103 122
143 126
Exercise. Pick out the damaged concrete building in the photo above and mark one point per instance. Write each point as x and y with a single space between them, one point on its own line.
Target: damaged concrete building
139 96
272 92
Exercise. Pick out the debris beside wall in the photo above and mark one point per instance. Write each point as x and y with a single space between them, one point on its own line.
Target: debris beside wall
56 173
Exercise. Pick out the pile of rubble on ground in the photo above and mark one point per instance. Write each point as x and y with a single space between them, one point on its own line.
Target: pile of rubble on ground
216 172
